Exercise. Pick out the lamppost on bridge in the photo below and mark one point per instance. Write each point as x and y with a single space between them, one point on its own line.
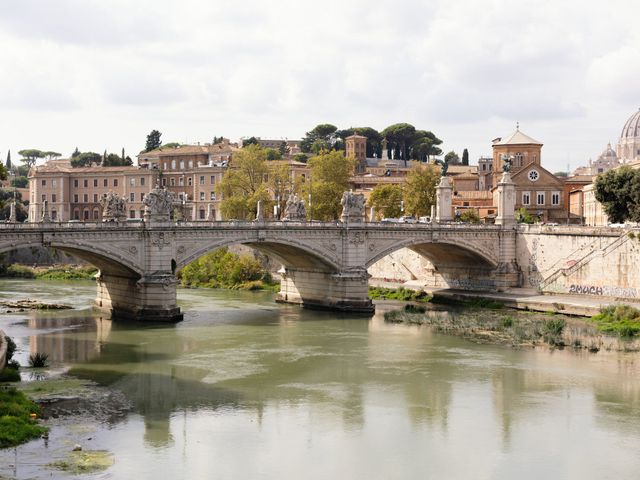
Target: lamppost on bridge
13 206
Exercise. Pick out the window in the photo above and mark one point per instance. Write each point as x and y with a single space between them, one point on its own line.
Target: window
164 182
213 195
181 164
95 198
95 182
132 214
181 181
526 198
44 183
190 163
141 213
201 196
96 214
555 198
85 183
85 215
132 182
44 197
202 179
105 182
172 182
540 198
54 183
202 214
115 182
85 198
75 199
213 180
518 159
142 181
132 197
142 197
53 198
190 181
54 215
75 184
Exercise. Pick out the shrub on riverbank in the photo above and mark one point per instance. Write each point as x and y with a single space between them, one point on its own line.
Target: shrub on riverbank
59 272
400 293
17 418
223 269
622 320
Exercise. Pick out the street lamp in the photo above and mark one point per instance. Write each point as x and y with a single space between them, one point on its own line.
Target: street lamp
12 211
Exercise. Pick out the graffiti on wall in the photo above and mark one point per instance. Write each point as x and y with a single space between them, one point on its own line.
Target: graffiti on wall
605 291
471 284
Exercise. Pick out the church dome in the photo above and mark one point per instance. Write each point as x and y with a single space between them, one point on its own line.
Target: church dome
608 153
631 128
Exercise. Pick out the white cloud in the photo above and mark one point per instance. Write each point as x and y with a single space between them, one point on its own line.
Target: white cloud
465 70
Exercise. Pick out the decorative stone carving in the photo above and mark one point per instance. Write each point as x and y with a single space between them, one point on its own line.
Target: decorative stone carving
259 213
157 204
357 238
159 240
114 207
295 210
45 212
352 207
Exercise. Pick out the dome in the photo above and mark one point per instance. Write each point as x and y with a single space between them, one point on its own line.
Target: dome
631 128
608 153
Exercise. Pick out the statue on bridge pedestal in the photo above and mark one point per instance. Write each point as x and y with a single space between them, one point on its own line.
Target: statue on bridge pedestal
114 207
294 210
158 204
352 207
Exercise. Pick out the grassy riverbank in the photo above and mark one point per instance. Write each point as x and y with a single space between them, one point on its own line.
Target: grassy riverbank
18 422
529 329
55 272
224 269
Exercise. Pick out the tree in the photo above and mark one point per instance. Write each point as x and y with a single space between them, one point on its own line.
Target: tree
114 160
619 192
244 184
248 141
283 148
452 158
470 215
51 155
465 157
20 182
85 159
300 157
153 141
425 145
420 189
30 156
322 137
386 200
561 174
374 139
75 153
217 140
330 174
8 163
400 137
272 154
522 216
171 145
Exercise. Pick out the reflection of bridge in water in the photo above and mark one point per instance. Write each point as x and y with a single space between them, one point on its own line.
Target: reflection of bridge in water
325 264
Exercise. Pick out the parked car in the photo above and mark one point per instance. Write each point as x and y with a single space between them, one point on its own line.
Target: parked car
407 219
424 220
389 220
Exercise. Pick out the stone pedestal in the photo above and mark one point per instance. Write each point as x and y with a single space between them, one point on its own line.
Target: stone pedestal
444 193
346 291
505 199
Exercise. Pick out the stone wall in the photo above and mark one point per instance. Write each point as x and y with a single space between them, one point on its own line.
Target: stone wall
3 351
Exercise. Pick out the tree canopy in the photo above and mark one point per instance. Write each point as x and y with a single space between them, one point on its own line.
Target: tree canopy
619 192
153 141
386 201
452 158
420 189
85 159
330 174
322 137
30 156
465 157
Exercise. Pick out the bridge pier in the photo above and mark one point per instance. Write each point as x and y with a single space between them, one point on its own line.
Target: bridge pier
346 291
150 298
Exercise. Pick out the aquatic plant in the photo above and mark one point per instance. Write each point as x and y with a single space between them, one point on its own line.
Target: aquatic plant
38 360
623 320
17 418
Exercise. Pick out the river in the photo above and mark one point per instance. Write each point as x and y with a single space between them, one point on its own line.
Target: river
245 388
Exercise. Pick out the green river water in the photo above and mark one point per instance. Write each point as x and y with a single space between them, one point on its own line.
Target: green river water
245 388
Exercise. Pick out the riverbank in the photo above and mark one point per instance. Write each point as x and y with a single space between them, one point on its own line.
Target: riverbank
54 272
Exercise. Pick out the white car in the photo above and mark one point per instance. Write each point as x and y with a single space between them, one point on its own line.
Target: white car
407 219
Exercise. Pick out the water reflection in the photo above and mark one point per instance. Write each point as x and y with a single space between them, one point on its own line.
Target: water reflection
280 373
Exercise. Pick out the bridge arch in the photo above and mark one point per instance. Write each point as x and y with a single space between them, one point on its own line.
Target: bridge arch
290 252
444 251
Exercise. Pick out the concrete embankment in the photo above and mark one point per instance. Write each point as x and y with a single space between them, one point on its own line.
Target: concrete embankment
520 298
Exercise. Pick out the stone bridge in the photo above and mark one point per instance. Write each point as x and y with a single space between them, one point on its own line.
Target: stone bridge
325 264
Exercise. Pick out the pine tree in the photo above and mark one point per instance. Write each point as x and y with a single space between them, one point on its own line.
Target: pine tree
8 163
465 157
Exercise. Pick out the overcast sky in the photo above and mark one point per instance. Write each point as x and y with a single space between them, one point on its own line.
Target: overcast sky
102 74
